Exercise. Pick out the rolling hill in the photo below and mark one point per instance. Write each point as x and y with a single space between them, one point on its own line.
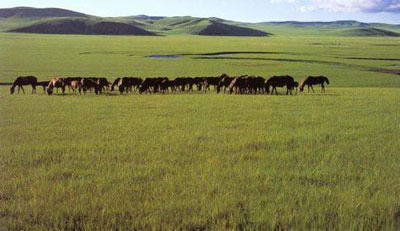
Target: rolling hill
198 26
29 12
61 21
83 26
333 24
368 32
222 29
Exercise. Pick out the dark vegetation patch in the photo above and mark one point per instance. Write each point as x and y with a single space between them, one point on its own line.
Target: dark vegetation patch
163 56
367 58
326 44
387 45
235 217
277 60
107 53
387 71
244 52
77 26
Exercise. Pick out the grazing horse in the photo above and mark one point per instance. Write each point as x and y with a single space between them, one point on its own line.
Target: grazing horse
56 83
43 84
69 80
23 81
102 84
88 84
314 80
75 84
224 81
280 81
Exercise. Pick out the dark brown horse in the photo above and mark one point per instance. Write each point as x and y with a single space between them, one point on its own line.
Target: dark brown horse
280 81
314 80
56 83
23 81
88 84
43 84
224 82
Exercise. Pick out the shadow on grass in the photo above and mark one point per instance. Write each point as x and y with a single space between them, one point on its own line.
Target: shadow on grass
244 52
368 58
277 60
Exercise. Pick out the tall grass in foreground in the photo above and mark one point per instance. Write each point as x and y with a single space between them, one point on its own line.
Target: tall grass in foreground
201 162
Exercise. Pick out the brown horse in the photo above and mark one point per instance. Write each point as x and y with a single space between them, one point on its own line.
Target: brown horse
23 81
56 83
314 80
75 84
280 81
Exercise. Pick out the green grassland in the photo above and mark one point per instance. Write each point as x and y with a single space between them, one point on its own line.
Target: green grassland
348 61
201 161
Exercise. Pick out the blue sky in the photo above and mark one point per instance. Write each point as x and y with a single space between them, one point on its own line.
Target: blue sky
241 10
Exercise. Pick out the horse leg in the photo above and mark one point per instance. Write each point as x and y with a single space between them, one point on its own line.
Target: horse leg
322 88
22 89
312 88
33 89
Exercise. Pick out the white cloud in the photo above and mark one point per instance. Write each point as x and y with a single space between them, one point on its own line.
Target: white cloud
371 6
368 6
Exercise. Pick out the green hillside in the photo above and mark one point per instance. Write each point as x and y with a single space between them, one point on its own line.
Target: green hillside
90 26
371 32
29 12
53 20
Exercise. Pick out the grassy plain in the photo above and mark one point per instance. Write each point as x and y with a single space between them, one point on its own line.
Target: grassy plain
201 161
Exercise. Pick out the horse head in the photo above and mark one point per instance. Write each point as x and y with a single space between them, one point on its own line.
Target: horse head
50 91
327 80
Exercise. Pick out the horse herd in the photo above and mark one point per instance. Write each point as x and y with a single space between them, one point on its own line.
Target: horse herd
233 85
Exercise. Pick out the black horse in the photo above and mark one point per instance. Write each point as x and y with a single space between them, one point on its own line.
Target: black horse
23 81
280 81
314 80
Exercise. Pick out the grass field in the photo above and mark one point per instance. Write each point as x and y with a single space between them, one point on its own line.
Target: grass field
201 161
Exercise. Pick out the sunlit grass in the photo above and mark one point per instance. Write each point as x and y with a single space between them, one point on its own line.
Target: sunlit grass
200 161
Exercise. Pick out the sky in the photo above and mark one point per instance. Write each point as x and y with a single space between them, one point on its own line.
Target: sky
387 11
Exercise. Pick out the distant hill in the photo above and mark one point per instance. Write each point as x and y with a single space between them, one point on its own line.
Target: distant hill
200 26
368 32
83 26
60 21
345 23
146 17
28 12
221 29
